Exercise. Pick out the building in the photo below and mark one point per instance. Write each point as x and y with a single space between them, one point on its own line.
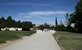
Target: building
11 29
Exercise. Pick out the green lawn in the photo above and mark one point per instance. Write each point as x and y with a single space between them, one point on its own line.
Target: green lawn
68 40
13 35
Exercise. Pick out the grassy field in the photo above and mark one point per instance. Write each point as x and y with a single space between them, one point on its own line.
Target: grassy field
13 35
69 41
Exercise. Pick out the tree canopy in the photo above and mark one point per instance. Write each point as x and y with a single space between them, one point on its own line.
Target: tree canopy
76 17
9 22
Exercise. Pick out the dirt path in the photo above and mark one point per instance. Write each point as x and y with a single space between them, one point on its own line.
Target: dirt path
39 41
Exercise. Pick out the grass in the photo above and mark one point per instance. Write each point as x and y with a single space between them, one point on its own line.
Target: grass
68 40
13 35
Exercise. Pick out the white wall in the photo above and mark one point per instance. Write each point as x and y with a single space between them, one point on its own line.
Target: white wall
11 29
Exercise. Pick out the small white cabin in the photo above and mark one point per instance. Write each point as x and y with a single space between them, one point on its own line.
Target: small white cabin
11 29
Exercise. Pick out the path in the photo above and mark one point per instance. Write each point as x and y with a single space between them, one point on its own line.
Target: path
39 41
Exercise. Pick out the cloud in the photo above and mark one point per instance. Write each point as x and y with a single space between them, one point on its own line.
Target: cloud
43 16
31 4
44 13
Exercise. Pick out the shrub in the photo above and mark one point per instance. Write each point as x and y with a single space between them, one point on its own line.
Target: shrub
26 29
60 28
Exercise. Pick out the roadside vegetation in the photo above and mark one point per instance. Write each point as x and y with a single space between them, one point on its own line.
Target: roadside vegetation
13 35
68 40
73 23
9 22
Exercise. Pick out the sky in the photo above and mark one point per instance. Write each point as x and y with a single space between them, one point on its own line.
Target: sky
37 11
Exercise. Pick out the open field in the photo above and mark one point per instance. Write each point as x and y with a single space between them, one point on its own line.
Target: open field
68 40
13 35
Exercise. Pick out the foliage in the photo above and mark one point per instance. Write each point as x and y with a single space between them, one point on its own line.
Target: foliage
60 28
44 26
26 26
9 22
76 17
41 27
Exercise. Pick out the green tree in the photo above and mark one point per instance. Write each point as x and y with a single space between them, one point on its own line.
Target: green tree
60 27
26 26
78 16
41 27
2 22
72 18
56 22
2 19
46 26
19 24
9 21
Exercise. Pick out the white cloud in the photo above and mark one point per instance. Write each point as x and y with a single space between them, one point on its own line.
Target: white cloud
43 16
46 12
39 13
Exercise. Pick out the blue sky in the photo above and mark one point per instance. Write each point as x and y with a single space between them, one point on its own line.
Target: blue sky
37 11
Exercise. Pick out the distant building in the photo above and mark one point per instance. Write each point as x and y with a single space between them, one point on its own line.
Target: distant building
11 29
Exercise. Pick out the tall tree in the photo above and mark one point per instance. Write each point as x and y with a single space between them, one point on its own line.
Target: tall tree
56 22
72 18
9 21
2 22
78 16
2 19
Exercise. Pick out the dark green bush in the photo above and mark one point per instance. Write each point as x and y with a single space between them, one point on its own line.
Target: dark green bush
60 28
26 29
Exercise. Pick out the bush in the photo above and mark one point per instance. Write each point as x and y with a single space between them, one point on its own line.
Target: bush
26 29
60 28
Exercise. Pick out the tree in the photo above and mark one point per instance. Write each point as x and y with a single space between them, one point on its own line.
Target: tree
19 23
2 25
26 26
60 27
78 16
72 18
56 23
46 26
41 27
9 21
2 22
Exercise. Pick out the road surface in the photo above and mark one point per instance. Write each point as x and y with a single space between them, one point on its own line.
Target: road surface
38 41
